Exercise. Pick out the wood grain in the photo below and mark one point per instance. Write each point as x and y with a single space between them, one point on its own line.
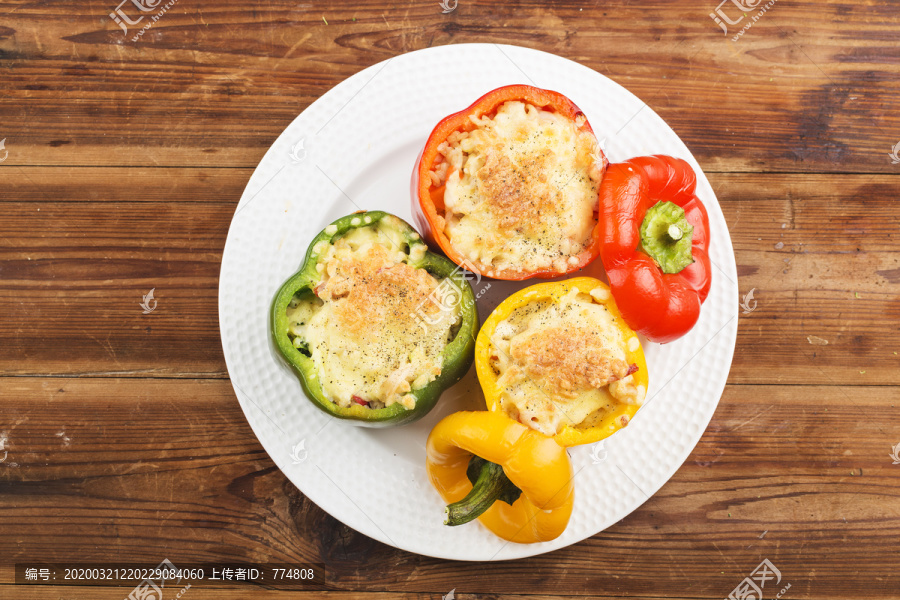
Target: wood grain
807 89
179 474
121 436
123 184
819 251
216 593
78 271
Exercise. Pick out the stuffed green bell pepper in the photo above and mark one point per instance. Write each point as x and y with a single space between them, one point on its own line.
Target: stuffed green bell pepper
374 325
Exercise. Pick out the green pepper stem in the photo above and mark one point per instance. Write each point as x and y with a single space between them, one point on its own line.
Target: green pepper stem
490 484
666 236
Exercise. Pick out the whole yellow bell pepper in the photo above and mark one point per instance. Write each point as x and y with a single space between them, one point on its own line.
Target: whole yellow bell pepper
528 461
569 435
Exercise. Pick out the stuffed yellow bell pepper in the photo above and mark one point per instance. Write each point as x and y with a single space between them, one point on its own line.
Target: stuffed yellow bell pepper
559 358
516 481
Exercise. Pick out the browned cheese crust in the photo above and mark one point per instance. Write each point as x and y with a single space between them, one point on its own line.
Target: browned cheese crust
569 360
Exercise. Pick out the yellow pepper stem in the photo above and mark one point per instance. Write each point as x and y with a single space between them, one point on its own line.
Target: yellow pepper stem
533 462
489 484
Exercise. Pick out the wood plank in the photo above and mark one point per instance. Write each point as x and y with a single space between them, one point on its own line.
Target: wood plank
197 593
73 271
133 470
208 592
74 275
76 91
121 438
821 254
123 184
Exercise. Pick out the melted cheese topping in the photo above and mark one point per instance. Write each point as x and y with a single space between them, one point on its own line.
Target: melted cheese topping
521 189
376 327
562 363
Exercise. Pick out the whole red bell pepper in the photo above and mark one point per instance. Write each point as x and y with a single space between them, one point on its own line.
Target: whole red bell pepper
428 199
655 241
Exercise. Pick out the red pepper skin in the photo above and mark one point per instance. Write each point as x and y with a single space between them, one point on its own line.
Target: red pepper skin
663 307
428 202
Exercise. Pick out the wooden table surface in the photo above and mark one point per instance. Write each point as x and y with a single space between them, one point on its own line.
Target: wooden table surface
121 437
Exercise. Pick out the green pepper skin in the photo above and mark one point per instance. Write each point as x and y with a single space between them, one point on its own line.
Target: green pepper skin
457 356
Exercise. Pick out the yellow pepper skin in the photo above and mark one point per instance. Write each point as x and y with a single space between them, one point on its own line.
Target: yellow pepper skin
568 435
533 462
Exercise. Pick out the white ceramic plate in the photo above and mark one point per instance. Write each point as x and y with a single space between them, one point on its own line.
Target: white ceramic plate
354 148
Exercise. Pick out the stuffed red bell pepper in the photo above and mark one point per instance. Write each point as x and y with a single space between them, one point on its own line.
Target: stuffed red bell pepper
655 241
508 187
